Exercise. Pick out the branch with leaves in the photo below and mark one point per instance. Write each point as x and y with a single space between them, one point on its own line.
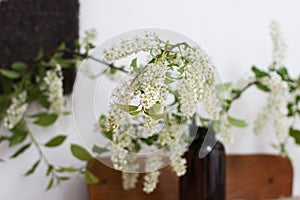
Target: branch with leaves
40 81
283 94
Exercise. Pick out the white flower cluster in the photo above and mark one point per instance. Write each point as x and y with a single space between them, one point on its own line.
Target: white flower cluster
122 140
16 110
177 148
168 134
262 118
122 146
130 178
277 100
152 166
121 95
118 157
150 126
197 84
179 166
279 44
226 131
90 36
53 87
276 107
151 82
181 71
128 47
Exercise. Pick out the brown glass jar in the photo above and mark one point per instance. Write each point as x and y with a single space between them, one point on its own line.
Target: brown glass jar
205 177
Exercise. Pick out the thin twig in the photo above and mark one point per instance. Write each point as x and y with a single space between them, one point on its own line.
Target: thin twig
42 155
242 90
168 50
111 65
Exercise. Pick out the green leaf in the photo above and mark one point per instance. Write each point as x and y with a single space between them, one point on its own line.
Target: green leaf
43 99
40 55
150 140
45 119
291 111
156 108
134 113
137 146
67 169
108 134
49 170
61 47
127 108
297 99
296 135
223 87
168 80
133 64
155 112
32 170
77 44
67 63
20 132
175 95
50 184
90 178
19 66
80 153
56 141
155 116
181 70
284 74
99 150
21 150
236 93
204 121
259 73
292 88
262 87
67 113
10 74
3 138
283 152
102 124
63 178
237 122
227 104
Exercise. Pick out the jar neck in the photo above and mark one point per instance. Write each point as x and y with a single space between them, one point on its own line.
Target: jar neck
202 132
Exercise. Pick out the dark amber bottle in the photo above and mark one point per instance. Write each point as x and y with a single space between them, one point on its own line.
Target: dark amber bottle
205 176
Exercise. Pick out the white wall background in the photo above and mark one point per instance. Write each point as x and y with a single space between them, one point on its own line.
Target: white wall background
233 32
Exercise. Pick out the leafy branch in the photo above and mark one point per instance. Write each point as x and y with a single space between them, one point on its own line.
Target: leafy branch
28 78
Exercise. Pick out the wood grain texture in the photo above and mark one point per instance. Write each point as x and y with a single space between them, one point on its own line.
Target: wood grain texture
110 186
255 177
248 177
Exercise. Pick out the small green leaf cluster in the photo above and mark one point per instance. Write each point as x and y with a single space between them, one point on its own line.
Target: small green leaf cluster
293 105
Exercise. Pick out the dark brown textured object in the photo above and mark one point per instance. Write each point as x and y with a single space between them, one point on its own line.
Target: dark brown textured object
205 177
249 177
30 25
